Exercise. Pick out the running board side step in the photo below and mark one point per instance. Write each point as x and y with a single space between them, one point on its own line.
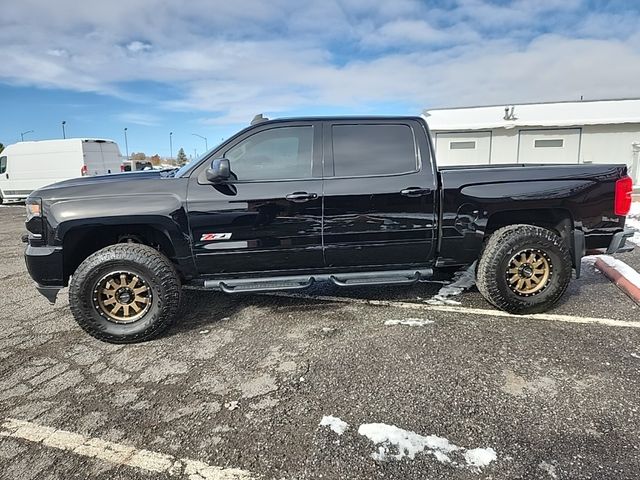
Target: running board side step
297 282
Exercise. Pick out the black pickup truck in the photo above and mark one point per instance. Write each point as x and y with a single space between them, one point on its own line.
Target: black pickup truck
286 203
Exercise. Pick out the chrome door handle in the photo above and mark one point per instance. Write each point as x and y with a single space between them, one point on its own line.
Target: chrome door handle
415 192
300 197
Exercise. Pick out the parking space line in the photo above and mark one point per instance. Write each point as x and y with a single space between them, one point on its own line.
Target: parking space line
466 310
117 453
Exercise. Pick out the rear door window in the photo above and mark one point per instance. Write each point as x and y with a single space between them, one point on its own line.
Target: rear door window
3 164
364 150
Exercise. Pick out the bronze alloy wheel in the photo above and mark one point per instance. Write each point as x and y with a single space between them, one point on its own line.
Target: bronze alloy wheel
529 272
122 297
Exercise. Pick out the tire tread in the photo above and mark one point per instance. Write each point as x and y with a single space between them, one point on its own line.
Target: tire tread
488 267
160 266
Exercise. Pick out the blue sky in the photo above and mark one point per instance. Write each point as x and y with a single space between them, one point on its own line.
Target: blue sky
207 66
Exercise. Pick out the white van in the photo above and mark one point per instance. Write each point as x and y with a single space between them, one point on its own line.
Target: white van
27 166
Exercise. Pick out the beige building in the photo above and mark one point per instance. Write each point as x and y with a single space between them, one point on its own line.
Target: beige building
602 131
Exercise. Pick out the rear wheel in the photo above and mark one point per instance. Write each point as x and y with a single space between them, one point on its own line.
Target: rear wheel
125 293
524 269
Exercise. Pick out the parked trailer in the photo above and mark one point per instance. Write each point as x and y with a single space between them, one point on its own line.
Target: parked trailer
27 166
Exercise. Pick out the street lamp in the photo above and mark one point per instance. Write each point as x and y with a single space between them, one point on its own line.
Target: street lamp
22 134
126 142
171 145
64 134
206 146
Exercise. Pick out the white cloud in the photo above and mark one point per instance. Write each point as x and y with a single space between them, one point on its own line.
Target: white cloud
136 46
58 52
230 60
138 118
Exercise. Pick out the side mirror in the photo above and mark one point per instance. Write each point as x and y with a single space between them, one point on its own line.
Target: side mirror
220 170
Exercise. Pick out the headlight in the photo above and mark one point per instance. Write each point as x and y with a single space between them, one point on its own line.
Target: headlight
34 207
35 222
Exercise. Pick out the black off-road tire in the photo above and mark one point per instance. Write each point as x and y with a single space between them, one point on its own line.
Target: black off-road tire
155 269
493 265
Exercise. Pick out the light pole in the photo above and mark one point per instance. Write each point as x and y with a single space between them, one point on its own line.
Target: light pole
206 145
126 142
64 134
171 145
22 134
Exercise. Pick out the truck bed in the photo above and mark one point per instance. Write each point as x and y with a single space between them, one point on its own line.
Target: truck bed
472 195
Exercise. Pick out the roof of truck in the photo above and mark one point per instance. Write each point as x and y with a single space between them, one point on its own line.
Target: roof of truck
551 114
340 118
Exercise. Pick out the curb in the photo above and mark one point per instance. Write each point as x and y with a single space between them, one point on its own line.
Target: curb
632 290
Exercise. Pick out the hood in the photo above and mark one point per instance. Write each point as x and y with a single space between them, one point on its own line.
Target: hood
102 179
119 184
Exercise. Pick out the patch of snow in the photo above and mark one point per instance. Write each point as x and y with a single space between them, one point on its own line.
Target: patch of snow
547 467
334 423
407 443
634 222
622 268
440 300
411 322
625 270
480 457
462 280
396 443
232 405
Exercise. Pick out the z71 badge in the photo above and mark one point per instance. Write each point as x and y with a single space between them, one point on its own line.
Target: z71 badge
210 237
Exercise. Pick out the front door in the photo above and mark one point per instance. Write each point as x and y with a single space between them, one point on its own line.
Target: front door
269 217
379 194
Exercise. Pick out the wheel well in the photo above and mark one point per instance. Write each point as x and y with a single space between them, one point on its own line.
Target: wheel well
557 220
81 242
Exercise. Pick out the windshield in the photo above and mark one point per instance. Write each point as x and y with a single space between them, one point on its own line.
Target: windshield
183 170
178 172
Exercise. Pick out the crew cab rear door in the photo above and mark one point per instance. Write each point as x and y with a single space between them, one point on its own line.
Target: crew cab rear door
268 218
379 193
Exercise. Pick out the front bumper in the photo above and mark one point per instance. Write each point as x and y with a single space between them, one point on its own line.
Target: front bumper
45 265
618 242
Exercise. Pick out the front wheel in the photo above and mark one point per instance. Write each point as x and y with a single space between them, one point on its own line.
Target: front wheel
125 293
524 269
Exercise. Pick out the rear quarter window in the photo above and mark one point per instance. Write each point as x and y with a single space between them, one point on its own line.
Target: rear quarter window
3 164
362 150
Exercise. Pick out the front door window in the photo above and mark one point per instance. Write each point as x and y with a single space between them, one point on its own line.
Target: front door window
275 154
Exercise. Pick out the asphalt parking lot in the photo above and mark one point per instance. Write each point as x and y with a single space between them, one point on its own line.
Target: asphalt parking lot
239 387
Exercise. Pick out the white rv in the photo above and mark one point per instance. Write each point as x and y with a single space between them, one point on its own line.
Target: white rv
27 166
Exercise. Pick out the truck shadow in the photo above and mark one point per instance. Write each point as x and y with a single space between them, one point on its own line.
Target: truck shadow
202 308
